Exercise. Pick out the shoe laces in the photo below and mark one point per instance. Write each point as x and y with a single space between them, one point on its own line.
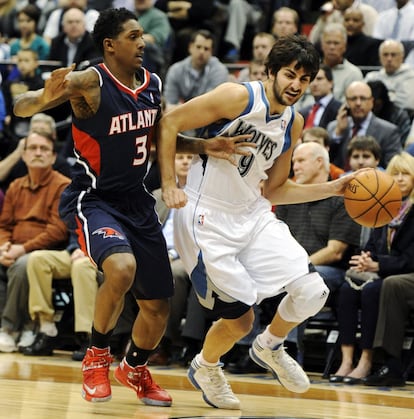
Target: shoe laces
98 364
281 357
141 378
218 381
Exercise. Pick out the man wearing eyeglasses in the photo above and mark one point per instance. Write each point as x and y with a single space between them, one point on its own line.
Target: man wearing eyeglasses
355 117
29 221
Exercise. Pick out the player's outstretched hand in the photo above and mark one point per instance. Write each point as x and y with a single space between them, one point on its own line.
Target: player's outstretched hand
226 147
174 197
55 85
339 185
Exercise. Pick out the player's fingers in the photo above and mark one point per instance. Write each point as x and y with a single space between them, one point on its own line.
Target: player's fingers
242 151
242 138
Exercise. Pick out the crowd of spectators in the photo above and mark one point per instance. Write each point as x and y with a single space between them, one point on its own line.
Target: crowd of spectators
359 108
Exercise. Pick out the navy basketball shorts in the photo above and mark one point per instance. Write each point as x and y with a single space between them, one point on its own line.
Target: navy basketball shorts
128 226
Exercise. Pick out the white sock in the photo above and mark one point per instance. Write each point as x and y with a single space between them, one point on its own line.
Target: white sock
267 340
48 328
201 361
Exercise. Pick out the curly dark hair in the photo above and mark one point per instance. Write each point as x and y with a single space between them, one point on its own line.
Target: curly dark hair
110 24
288 49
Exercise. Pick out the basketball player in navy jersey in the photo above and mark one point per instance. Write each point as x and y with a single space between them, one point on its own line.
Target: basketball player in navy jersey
234 249
116 108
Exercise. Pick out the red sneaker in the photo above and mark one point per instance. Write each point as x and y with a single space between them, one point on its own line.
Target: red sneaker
95 368
140 380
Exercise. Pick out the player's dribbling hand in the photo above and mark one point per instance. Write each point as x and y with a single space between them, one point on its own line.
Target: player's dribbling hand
340 184
226 147
174 197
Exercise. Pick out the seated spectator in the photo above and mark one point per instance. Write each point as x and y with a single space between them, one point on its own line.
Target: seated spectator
285 22
322 227
363 151
261 46
199 73
355 117
333 44
44 266
27 20
320 135
361 49
325 106
395 306
27 78
74 44
29 221
385 109
389 251
38 122
395 74
54 27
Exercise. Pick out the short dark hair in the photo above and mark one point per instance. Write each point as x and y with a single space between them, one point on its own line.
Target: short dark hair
291 48
327 70
110 24
32 11
366 143
205 33
318 132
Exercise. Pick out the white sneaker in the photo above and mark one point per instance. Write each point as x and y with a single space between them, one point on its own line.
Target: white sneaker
26 339
212 382
7 343
282 366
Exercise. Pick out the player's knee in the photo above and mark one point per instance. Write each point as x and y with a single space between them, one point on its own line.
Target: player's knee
119 271
155 310
241 326
307 297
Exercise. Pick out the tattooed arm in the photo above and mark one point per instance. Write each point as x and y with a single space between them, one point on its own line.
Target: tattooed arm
80 87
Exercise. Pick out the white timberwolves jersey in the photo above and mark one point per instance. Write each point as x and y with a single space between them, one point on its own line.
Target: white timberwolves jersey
217 180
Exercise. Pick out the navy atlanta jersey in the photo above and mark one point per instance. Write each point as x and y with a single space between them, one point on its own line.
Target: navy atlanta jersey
225 184
112 147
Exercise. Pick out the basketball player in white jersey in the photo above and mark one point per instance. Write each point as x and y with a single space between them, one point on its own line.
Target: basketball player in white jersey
234 249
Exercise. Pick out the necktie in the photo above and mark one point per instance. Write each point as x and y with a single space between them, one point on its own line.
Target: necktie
355 130
396 28
310 120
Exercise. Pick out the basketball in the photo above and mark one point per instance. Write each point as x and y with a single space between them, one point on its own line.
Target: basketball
372 198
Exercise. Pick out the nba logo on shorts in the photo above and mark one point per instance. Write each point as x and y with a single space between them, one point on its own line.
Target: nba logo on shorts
201 219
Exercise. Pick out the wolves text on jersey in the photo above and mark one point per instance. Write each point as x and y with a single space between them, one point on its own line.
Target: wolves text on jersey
265 145
126 122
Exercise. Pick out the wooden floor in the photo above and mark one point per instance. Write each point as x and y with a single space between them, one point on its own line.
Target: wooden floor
49 387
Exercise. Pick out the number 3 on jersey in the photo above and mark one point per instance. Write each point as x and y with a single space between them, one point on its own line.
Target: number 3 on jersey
141 150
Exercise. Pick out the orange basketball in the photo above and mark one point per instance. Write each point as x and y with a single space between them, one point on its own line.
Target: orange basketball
372 199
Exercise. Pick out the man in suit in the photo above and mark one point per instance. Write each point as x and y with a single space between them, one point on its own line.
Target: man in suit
355 117
74 44
326 107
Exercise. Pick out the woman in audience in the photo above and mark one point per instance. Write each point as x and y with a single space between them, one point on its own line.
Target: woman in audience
27 20
389 251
